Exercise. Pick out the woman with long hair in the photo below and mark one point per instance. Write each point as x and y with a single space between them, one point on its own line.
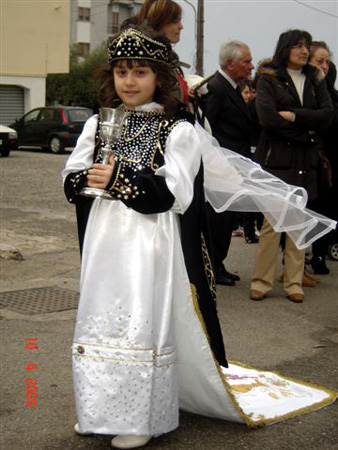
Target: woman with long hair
163 15
293 107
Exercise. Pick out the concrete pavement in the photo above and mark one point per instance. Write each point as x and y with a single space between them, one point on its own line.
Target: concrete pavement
297 340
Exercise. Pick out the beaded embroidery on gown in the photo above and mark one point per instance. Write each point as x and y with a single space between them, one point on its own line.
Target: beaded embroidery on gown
140 347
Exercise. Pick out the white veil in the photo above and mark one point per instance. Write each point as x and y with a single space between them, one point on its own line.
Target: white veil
233 182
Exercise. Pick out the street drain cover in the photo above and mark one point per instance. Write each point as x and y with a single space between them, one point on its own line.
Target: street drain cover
39 301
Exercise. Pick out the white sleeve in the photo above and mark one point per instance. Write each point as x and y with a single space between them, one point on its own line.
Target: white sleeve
81 157
182 160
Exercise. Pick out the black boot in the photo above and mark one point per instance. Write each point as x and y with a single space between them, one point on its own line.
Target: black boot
319 265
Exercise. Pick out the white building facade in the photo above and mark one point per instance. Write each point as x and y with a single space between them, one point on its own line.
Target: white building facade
35 42
93 21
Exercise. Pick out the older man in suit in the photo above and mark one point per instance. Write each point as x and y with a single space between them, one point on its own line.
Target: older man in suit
230 122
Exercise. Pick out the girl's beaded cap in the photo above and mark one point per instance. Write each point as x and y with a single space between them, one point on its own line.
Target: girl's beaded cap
133 44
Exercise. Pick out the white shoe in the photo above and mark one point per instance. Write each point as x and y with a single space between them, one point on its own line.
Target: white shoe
130 441
78 431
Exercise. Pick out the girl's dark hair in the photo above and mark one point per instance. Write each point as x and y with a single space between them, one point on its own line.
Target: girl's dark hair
164 93
167 84
285 42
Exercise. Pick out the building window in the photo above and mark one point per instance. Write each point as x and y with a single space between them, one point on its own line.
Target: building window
83 48
84 14
115 22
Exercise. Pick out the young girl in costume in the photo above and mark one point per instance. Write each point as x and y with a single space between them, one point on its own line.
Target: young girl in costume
145 342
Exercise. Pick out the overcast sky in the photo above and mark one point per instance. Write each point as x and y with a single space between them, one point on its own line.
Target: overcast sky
257 23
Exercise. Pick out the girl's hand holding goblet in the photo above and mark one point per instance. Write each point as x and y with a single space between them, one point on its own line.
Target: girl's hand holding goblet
100 174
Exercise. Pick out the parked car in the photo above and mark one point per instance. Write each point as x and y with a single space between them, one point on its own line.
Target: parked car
8 140
52 127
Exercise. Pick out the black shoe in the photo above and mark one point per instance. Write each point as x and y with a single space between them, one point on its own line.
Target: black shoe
319 266
224 280
230 275
251 239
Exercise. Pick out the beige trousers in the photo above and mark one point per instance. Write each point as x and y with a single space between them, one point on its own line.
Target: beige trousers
267 260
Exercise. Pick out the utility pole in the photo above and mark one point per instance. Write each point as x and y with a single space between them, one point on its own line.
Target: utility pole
200 38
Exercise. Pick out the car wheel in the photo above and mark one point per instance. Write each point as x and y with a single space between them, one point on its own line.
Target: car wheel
56 145
5 152
333 251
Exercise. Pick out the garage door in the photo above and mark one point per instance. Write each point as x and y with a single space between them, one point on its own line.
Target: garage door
11 103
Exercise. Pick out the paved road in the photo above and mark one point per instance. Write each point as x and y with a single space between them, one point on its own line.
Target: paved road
300 341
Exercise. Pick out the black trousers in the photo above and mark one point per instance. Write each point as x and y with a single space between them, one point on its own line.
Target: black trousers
326 204
221 227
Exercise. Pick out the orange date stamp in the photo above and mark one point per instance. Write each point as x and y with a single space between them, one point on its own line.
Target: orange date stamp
31 384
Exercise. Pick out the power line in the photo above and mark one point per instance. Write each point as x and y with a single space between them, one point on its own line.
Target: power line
315 9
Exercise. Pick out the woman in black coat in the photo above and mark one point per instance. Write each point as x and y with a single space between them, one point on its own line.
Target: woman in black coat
326 202
293 107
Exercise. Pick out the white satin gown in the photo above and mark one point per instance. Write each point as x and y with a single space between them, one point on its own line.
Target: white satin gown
140 350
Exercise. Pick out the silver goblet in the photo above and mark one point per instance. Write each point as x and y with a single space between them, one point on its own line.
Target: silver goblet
111 121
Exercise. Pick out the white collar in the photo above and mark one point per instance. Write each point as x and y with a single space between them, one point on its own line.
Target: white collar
149 107
226 76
